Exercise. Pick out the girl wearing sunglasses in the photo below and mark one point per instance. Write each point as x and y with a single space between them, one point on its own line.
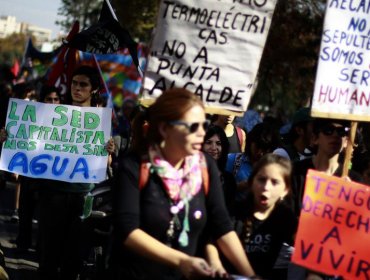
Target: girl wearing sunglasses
161 228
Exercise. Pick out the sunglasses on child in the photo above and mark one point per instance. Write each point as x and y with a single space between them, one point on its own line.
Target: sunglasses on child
192 126
330 129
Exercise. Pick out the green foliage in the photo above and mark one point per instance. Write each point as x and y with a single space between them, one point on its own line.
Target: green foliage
12 48
85 11
137 16
288 67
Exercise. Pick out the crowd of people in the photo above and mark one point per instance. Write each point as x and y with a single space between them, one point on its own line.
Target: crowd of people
194 196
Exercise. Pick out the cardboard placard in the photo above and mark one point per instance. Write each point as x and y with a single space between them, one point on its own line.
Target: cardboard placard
212 48
343 75
334 227
59 142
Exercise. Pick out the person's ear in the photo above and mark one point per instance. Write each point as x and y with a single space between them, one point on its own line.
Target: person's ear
285 193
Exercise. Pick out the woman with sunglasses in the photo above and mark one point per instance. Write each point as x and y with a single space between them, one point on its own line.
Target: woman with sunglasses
160 227
330 137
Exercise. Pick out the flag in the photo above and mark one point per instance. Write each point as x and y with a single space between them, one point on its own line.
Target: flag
15 68
61 72
120 73
35 63
104 37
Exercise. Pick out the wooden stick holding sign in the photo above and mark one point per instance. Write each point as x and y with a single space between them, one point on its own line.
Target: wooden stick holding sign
349 149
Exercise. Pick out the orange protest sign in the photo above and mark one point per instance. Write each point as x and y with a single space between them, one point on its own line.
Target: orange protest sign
334 228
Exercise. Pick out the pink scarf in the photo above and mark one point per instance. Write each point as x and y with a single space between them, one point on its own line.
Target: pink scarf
180 184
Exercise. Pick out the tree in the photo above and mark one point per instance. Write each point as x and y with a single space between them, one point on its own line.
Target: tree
85 11
287 71
12 48
138 17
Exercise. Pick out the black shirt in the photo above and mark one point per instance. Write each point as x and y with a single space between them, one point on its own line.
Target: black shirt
300 169
266 240
149 210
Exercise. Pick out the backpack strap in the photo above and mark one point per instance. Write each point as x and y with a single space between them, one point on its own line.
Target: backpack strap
205 175
240 135
144 173
237 163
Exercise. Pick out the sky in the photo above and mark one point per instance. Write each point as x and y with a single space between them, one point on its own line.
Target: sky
42 13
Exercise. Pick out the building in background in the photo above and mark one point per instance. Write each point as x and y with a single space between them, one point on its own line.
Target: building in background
9 25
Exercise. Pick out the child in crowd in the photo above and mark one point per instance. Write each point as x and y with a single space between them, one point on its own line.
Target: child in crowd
265 222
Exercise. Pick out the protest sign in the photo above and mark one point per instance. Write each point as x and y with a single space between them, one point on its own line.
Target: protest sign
343 75
212 48
59 142
334 226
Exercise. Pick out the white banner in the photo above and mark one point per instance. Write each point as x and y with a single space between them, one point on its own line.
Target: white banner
343 76
211 47
59 142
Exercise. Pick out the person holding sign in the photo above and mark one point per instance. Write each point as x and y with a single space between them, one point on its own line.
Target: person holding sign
29 187
265 222
62 204
169 199
330 137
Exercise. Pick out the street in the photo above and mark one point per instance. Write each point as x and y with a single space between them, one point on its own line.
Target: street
19 265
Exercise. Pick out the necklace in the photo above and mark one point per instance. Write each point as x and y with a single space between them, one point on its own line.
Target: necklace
248 228
175 225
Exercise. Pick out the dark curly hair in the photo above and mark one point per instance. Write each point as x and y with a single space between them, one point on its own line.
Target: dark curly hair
225 145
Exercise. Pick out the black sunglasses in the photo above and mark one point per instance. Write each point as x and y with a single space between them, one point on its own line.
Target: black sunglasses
192 126
329 130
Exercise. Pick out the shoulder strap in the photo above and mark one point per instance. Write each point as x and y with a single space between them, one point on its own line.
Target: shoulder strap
205 178
144 174
237 163
239 132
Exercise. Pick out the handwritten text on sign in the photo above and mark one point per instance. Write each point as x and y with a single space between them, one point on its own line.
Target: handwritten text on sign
343 76
334 227
212 48
60 142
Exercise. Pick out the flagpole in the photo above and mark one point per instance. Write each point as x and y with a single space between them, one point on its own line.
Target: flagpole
111 10
105 86
25 51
